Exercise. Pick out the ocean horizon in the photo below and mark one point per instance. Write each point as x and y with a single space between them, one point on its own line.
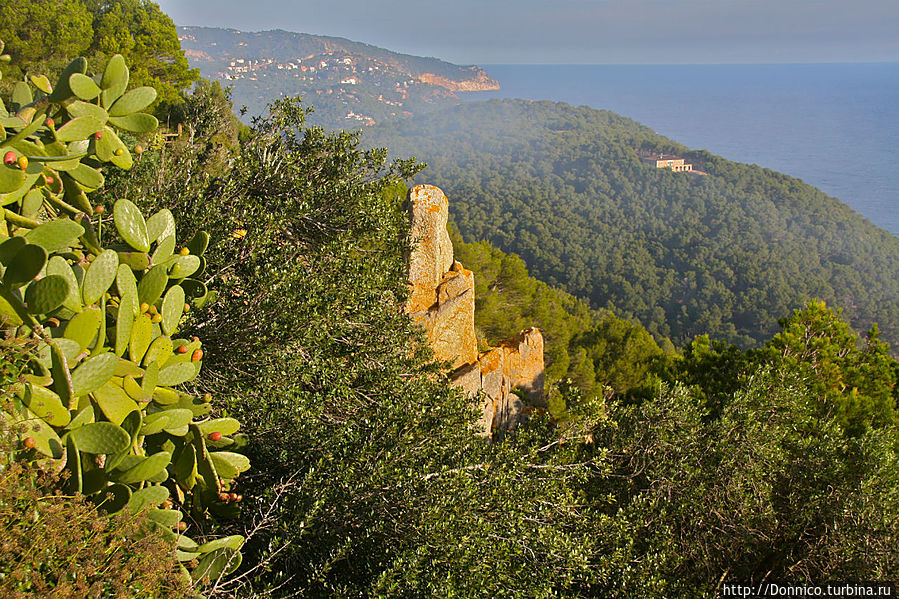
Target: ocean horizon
833 125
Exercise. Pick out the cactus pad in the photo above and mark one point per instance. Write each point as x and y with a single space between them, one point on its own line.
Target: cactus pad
29 425
185 266
100 437
84 326
146 468
151 377
124 322
28 262
164 249
141 337
79 128
172 308
153 283
88 177
85 416
229 464
198 243
135 391
165 397
93 373
55 235
62 91
58 266
114 402
154 423
46 295
84 87
185 470
177 419
136 261
217 563
9 249
136 123
47 405
134 101
160 351
177 374
131 225
233 541
115 80
161 225
125 281
226 426
147 497
99 276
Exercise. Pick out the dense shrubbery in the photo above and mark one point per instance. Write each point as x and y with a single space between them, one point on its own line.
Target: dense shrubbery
768 490
370 460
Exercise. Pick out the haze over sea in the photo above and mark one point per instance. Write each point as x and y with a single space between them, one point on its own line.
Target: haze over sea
835 126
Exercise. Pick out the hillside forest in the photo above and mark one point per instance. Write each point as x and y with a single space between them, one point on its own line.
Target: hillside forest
210 386
725 254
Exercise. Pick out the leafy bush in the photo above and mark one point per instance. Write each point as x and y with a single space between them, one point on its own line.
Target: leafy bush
766 491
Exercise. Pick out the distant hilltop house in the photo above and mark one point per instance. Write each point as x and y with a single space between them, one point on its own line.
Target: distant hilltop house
669 161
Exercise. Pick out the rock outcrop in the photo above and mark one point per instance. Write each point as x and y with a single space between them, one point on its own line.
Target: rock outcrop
478 82
507 378
442 291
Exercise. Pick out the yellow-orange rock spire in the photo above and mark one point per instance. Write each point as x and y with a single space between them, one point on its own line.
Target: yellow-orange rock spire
505 378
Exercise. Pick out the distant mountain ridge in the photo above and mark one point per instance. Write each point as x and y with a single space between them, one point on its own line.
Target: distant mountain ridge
350 83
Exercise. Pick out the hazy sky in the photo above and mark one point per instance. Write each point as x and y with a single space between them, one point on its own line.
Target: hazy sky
580 31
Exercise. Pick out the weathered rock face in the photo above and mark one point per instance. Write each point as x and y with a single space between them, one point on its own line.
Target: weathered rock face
433 254
441 292
524 364
442 301
511 377
449 321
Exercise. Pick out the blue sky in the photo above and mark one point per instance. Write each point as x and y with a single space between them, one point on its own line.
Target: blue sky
580 31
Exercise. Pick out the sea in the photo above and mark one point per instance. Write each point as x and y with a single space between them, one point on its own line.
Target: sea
835 126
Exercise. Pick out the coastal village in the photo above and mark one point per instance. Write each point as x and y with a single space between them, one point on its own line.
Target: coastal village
369 88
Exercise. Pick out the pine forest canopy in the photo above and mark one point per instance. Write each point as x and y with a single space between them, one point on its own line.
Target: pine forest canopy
684 254
42 36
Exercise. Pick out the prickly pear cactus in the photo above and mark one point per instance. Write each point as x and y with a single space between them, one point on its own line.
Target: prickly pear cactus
102 397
